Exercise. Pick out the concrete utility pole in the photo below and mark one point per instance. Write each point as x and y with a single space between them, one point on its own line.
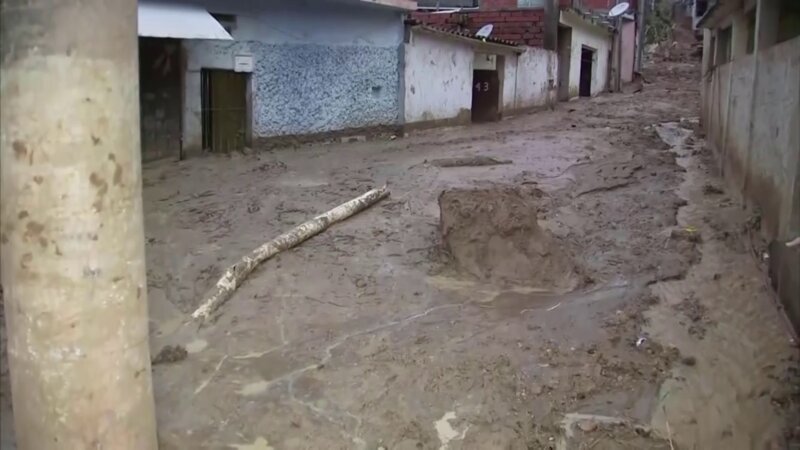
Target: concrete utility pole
71 227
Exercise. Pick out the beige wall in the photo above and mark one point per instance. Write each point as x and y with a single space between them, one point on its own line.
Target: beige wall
751 115
595 37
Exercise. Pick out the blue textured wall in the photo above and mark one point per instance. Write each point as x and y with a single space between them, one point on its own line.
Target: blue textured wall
302 89
319 65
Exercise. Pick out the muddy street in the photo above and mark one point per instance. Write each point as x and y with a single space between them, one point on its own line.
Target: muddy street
588 283
567 279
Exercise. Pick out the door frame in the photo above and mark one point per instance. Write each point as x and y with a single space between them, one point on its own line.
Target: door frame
205 112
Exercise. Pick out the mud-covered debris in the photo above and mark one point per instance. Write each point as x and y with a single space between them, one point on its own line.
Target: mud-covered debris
710 189
689 361
468 161
587 426
271 167
170 354
493 235
697 315
690 234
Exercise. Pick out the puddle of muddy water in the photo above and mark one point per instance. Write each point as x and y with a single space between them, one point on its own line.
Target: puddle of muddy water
521 300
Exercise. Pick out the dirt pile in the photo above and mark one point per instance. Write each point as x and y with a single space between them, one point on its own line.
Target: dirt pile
493 235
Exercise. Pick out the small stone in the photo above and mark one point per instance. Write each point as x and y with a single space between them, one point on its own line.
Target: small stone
170 354
689 361
587 426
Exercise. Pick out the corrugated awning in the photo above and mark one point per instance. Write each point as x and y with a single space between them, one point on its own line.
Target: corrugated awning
167 20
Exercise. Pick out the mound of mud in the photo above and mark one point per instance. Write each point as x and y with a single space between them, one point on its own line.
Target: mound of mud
493 235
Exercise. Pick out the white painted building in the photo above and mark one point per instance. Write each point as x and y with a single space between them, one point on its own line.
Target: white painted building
220 75
585 48
455 78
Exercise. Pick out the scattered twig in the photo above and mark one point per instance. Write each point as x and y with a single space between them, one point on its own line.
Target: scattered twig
208 380
582 163
468 161
554 306
669 431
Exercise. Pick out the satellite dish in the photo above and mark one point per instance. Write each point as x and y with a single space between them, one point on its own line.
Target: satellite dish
619 9
485 31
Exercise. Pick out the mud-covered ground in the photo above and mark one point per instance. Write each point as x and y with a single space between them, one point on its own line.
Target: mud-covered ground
602 290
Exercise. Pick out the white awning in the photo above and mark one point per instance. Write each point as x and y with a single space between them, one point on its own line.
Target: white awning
166 20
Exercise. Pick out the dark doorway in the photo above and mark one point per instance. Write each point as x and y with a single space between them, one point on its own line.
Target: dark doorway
160 97
587 58
485 95
564 57
225 110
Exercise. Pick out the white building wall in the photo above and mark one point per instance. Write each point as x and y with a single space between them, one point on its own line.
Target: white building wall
438 79
598 39
537 72
509 83
527 79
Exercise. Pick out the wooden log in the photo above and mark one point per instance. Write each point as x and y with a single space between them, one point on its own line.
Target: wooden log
236 274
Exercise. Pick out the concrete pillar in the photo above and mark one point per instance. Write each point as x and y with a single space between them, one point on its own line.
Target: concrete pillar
71 230
767 19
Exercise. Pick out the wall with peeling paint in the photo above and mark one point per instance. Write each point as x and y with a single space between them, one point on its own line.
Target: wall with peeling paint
594 36
530 79
438 79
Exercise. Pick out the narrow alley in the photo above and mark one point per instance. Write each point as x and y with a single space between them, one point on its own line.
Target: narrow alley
618 300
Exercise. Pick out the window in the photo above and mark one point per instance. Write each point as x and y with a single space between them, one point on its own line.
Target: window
723 46
700 7
789 22
530 3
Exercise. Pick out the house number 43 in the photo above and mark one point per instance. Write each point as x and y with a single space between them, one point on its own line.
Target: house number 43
482 86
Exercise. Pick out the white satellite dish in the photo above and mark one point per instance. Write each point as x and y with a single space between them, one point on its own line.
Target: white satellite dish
485 31
619 9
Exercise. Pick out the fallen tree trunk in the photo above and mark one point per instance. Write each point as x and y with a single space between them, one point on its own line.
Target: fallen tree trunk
235 275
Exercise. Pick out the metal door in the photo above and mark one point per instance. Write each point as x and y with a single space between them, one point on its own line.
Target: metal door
225 113
485 95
